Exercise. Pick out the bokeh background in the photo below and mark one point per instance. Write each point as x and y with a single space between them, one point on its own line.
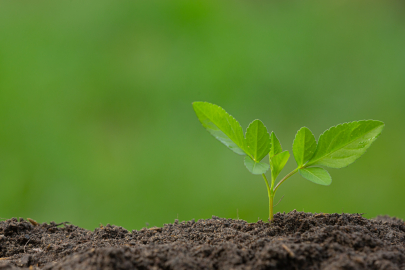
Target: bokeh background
96 122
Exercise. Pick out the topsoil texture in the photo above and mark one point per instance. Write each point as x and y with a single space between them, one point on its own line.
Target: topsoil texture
296 240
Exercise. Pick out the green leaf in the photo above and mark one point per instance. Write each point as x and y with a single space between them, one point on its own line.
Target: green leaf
256 167
304 146
257 140
221 125
343 144
275 145
278 162
317 175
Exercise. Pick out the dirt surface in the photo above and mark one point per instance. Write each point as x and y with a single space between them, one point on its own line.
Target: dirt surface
296 240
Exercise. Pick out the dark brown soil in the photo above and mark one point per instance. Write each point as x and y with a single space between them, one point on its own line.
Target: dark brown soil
296 240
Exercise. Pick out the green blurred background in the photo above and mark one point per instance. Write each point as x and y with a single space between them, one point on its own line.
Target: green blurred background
96 122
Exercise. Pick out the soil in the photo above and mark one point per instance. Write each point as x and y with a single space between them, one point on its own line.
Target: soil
295 240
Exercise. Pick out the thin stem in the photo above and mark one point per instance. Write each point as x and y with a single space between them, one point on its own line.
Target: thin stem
271 198
271 208
282 180
269 191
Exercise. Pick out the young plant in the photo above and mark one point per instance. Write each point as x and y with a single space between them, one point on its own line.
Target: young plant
337 147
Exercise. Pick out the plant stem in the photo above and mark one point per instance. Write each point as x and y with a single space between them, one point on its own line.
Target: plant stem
270 192
282 180
271 197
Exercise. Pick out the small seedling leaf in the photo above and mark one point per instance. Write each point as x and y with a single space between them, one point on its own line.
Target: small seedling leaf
256 167
275 145
317 175
257 140
343 144
304 146
278 162
221 125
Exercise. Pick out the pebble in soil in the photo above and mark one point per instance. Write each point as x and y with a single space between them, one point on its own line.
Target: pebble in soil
295 240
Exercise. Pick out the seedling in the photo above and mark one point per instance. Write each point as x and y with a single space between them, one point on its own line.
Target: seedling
337 147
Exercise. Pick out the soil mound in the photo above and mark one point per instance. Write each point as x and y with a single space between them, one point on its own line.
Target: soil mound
296 240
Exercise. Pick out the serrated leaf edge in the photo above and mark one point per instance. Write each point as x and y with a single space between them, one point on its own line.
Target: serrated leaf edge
341 124
257 161
244 150
302 166
271 145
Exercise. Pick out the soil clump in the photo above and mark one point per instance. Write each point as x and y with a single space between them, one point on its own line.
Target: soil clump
295 240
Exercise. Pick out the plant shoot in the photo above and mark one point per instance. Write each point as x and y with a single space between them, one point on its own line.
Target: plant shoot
337 147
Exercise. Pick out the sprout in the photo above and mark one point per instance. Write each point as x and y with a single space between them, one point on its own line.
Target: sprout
337 147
